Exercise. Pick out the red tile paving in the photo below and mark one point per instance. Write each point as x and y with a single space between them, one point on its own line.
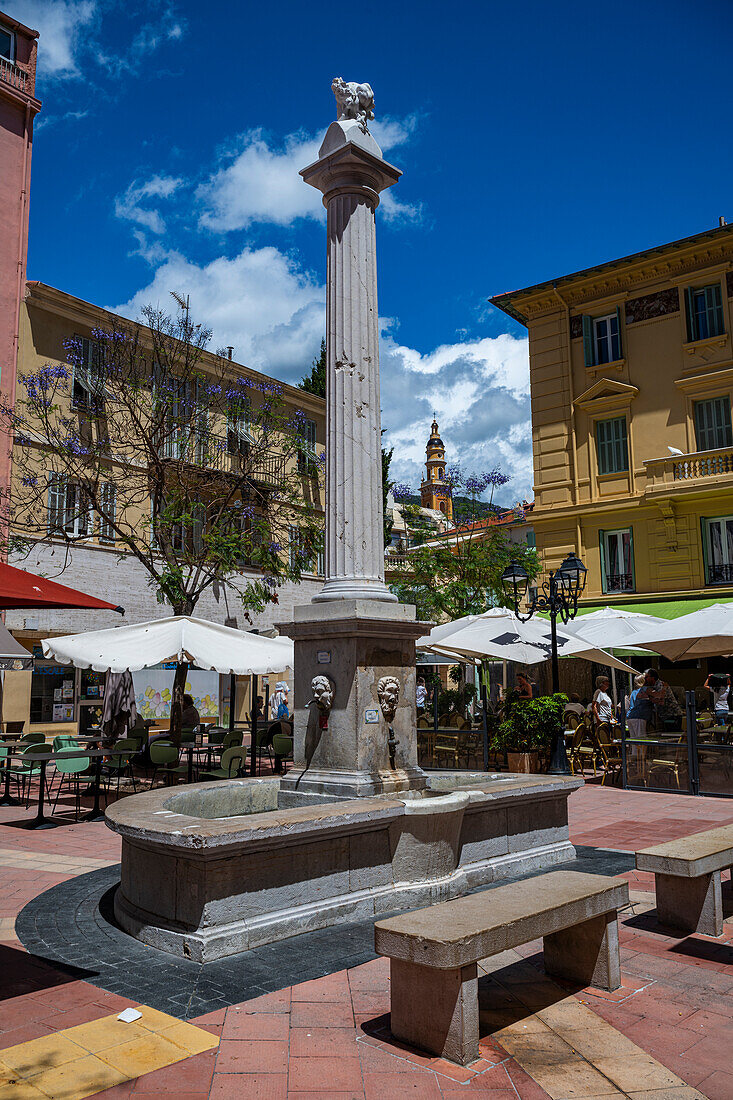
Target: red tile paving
330 1037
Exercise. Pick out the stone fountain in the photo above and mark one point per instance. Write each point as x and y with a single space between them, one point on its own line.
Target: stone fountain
356 828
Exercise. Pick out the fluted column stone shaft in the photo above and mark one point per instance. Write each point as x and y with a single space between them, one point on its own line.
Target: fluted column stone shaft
351 177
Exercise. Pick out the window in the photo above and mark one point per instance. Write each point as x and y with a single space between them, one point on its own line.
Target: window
7 44
613 451
617 560
87 384
704 308
712 424
239 432
307 447
308 433
68 509
717 541
605 339
602 339
108 502
297 560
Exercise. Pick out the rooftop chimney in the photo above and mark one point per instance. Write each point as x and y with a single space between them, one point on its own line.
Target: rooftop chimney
229 353
721 221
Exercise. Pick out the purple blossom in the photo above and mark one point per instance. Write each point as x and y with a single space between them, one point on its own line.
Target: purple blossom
29 481
401 491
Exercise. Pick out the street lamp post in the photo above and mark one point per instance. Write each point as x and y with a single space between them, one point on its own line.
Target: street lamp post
559 597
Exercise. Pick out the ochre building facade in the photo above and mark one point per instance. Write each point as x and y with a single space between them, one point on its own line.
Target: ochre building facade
631 377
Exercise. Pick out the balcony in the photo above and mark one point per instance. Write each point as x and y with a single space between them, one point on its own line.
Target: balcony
225 455
619 582
679 471
13 75
720 574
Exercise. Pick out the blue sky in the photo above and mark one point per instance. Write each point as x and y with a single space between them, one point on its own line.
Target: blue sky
535 139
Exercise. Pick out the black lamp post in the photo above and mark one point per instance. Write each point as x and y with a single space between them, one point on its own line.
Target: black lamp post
559 597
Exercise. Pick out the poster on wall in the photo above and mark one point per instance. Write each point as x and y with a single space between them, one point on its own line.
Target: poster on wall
68 689
154 692
62 712
57 695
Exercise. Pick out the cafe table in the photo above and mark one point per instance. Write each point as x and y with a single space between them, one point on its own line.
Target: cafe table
40 821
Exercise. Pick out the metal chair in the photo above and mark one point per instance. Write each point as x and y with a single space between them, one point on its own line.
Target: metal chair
164 757
70 770
119 762
233 761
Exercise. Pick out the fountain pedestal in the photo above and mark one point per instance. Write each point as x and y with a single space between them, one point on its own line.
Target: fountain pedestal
355 643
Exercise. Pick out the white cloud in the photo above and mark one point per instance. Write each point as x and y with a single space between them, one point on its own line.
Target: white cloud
271 312
129 205
259 180
63 25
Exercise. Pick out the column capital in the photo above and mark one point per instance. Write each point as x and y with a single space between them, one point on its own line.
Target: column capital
348 162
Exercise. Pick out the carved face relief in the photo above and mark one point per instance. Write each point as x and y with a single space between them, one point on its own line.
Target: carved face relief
323 692
388 690
353 101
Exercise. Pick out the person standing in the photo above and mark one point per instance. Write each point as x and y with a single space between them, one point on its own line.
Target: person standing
640 709
279 701
719 687
421 695
668 709
602 703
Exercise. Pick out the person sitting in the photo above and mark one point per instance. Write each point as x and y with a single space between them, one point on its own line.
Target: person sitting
668 709
574 706
524 686
190 717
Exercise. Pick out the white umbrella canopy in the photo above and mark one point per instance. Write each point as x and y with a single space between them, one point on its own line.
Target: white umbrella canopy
499 633
614 628
179 638
704 633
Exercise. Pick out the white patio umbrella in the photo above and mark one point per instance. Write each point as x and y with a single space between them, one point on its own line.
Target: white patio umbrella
614 628
704 633
179 638
499 633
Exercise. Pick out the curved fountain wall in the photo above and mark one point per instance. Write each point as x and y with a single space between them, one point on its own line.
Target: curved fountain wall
215 869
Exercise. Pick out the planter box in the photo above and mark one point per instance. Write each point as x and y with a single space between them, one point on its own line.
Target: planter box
525 762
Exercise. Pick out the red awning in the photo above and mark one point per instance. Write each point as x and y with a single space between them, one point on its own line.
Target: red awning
21 589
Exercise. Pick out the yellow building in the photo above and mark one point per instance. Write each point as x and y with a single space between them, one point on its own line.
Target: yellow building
631 374
434 492
55 697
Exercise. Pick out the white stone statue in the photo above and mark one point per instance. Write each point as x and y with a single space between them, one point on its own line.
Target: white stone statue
354 101
388 690
323 692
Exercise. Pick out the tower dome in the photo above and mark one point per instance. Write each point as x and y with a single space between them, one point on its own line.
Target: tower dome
434 490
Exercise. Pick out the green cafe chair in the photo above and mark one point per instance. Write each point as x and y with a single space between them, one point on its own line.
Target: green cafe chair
282 748
188 735
26 769
233 761
73 770
33 739
119 763
164 756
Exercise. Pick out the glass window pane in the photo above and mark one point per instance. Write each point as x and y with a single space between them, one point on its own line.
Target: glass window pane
6 44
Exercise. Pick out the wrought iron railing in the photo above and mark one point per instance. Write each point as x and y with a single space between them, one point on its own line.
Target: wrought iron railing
225 454
619 582
720 574
13 74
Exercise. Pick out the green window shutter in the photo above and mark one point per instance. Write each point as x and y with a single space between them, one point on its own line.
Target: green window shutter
621 445
705 554
714 309
632 569
588 355
690 313
602 542
601 446
618 326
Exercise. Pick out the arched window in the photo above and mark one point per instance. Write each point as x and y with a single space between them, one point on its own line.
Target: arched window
442 505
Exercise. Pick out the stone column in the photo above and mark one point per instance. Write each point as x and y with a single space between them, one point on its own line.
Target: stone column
355 632
351 173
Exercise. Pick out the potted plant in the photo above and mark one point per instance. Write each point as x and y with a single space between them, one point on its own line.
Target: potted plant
526 728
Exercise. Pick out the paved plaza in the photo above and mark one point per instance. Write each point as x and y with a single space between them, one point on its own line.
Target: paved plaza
310 1016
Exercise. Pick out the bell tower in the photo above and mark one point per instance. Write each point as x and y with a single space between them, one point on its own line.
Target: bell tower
434 491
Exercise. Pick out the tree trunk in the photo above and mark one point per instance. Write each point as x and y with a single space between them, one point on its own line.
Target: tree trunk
179 686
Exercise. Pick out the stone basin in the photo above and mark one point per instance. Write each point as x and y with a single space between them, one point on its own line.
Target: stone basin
216 868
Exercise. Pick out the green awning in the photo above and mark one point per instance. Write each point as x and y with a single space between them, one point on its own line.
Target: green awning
664 609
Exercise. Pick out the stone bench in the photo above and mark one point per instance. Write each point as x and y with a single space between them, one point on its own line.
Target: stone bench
434 952
687 879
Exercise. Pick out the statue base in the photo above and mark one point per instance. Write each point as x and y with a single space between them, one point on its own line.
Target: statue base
355 643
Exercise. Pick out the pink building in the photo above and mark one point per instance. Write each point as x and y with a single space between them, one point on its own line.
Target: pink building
18 108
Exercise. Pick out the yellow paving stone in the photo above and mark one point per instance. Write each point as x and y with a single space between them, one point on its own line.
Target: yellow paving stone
142 1055
530 1025
683 1092
572 1080
28 1059
154 1020
639 1072
18 1089
83 1077
601 1043
194 1040
107 1032
569 1014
